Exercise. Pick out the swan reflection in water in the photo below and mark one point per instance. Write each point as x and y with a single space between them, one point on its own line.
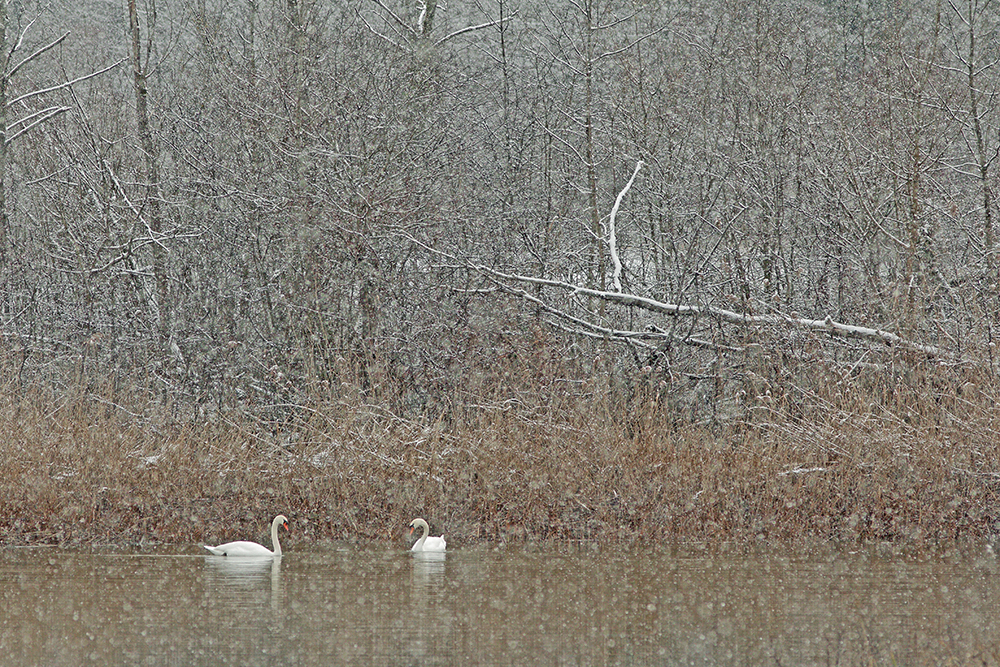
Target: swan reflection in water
428 573
249 571
244 576
429 563
430 615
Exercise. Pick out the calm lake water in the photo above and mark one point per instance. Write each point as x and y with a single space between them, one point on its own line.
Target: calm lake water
479 606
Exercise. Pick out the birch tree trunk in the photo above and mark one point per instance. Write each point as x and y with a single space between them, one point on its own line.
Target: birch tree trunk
156 295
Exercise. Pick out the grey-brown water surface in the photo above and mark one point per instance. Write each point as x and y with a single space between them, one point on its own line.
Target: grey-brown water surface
479 606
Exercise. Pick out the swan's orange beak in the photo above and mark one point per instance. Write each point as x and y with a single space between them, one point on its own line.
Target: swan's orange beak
285 524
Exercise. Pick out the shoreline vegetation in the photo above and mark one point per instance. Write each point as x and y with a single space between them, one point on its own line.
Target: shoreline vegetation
542 457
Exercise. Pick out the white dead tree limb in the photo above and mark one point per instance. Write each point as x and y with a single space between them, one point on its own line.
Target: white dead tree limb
616 273
827 325
506 281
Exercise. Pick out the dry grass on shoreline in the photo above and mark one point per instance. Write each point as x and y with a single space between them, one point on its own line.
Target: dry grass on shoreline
108 469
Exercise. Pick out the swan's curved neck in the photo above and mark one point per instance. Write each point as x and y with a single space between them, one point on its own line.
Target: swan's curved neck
275 545
424 531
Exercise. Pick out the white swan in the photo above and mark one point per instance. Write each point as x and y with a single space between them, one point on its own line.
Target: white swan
242 548
426 543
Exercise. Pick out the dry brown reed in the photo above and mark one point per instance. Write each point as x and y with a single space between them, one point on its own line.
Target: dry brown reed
528 452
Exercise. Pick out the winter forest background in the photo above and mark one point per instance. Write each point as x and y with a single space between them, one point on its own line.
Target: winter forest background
256 205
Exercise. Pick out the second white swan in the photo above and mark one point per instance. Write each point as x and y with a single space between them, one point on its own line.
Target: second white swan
426 543
243 548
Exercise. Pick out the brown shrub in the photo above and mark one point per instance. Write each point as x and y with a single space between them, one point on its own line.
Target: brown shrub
537 453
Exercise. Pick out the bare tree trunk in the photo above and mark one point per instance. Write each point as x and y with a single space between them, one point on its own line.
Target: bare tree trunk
981 158
598 282
160 297
4 68
425 22
250 46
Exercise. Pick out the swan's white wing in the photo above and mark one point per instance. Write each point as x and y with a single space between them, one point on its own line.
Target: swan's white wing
240 548
434 544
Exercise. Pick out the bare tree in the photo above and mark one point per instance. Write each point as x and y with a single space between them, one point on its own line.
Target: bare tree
584 41
149 216
973 48
11 128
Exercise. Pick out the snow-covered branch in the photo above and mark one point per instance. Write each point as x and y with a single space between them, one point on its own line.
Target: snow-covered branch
28 59
61 86
827 325
472 28
28 122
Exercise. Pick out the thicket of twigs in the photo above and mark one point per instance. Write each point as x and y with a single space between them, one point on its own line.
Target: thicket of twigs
534 447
